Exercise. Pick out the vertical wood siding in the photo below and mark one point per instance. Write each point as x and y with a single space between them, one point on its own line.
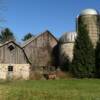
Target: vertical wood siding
39 50
15 56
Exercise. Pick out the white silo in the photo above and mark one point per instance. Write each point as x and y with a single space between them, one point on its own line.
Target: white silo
66 45
91 19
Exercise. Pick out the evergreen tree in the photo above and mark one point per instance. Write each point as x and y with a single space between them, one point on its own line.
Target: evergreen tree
6 35
27 36
66 64
97 56
83 64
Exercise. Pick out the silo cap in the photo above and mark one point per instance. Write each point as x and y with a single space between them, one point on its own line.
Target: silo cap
68 37
89 12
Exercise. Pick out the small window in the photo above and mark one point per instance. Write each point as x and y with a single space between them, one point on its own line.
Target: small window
10 68
11 47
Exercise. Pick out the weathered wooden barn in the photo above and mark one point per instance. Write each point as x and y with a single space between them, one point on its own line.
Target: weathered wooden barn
39 50
37 53
14 63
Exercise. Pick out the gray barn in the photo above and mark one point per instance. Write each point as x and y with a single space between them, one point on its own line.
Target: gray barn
39 50
14 63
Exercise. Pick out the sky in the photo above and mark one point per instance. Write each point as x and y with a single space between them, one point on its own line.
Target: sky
36 16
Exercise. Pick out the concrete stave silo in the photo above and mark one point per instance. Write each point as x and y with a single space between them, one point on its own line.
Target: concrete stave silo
91 19
66 45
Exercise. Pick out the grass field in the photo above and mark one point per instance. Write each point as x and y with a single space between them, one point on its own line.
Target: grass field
50 90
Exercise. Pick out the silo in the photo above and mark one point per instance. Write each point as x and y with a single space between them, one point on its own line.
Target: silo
66 44
91 19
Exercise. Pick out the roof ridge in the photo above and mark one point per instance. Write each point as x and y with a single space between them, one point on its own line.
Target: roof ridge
46 31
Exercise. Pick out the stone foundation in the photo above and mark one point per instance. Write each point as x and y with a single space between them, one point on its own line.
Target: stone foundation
20 71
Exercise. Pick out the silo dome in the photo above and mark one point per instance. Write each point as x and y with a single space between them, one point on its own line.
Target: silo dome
68 37
89 12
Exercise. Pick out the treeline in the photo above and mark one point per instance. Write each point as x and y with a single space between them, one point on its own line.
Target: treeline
6 35
86 58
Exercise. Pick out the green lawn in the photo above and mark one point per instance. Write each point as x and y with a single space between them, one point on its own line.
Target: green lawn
50 90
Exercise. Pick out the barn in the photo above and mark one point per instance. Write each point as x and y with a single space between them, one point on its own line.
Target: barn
39 50
36 54
14 63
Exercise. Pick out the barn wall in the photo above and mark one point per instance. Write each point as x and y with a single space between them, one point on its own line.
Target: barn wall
15 56
39 50
20 71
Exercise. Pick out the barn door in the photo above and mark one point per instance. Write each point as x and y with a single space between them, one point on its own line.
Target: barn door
10 72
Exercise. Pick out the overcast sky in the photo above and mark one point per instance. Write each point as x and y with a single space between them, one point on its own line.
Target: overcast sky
35 16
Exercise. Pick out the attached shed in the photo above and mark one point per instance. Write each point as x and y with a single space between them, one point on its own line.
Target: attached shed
14 63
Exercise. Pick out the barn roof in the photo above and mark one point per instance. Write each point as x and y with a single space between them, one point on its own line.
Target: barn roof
33 38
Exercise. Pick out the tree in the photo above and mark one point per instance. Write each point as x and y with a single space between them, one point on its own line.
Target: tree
66 64
6 35
83 64
97 57
27 36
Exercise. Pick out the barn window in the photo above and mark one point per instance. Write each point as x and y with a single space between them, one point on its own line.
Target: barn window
11 47
10 68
